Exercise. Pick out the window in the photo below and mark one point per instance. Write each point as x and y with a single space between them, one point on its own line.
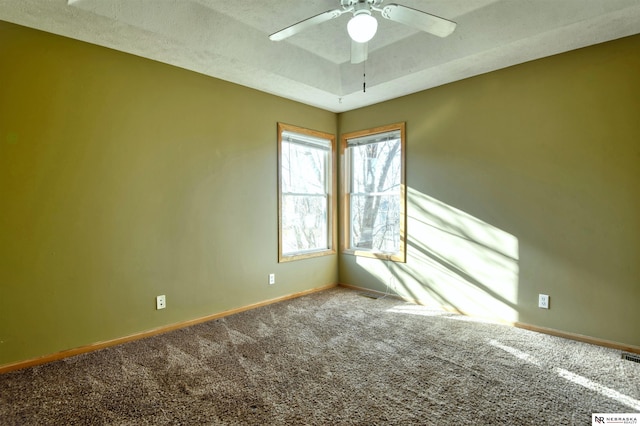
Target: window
306 186
374 193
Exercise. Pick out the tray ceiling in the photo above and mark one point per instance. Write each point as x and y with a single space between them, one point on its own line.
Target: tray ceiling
229 40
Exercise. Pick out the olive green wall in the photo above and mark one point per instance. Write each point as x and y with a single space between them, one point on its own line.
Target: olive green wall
122 179
523 181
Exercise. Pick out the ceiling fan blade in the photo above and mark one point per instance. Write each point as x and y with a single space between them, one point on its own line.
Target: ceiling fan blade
358 52
420 20
303 25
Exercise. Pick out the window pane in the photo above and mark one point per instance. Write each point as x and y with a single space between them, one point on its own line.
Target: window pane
303 169
306 189
375 222
376 167
375 198
304 223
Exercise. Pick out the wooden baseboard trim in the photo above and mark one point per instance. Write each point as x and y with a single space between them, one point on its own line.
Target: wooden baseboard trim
579 337
149 333
544 330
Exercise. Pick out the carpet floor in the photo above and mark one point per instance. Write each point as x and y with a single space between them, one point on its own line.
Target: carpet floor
333 357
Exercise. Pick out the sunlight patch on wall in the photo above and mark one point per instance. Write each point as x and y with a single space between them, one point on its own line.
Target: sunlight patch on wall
469 264
454 260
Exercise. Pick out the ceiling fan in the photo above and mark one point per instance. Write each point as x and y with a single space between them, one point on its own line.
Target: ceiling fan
363 26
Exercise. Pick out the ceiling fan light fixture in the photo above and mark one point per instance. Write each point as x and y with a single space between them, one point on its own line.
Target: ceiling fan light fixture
362 27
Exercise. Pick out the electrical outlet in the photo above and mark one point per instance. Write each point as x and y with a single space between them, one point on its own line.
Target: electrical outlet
272 279
543 301
161 302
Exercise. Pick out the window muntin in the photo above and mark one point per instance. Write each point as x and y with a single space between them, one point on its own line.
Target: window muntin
306 204
374 192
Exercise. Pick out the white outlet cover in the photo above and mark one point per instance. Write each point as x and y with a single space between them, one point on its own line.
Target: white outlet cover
272 278
543 301
161 302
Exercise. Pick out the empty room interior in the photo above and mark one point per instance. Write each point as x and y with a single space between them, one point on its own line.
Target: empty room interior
142 155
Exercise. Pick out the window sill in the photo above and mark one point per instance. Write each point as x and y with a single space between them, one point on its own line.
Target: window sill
399 257
306 255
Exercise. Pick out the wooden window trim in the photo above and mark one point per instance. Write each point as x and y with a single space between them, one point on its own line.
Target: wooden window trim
332 211
345 212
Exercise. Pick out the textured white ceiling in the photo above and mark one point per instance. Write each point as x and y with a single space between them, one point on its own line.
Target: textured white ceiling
229 40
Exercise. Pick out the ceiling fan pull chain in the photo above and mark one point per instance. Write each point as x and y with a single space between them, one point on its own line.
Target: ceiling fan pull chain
364 77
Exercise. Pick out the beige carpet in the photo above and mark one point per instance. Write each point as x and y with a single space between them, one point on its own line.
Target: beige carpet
333 357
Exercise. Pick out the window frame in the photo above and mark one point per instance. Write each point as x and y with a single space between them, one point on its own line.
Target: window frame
331 190
345 196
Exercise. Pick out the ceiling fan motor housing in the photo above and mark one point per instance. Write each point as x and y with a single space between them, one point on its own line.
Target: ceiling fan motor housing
363 26
360 4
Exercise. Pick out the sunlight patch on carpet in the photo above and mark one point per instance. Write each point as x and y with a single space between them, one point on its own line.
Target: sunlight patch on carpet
597 387
436 312
572 377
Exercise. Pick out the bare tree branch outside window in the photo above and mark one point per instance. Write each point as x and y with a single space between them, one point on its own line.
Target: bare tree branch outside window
304 192
375 193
